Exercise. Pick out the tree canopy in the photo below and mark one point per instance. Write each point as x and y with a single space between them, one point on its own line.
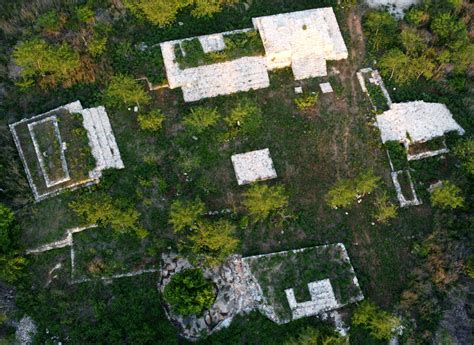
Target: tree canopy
123 90
262 201
381 324
189 293
163 12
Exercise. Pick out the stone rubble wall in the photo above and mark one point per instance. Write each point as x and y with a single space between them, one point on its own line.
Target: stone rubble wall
238 291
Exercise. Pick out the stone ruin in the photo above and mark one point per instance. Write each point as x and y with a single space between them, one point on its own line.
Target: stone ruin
239 291
302 40
101 140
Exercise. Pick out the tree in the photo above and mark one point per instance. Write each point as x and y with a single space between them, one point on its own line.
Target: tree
123 90
413 43
185 214
163 12
212 242
11 267
465 152
12 263
152 122
9 230
381 324
189 293
51 22
345 192
392 63
449 28
52 64
245 118
381 29
313 336
201 118
102 210
262 201
416 16
384 209
448 195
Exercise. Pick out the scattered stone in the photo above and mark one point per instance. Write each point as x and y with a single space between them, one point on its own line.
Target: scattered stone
298 89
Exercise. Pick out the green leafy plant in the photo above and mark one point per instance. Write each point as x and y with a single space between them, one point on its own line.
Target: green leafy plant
381 324
245 118
212 242
448 195
262 201
201 118
306 101
101 209
344 193
465 151
152 121
189 293
185 214
123 90
384 209
314 336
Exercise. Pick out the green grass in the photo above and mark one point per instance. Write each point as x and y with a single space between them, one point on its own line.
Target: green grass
50 149
99 252
237 45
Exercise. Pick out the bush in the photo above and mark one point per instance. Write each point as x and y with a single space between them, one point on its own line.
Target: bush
189 293
152 122
101 209
9 230
201 118
313 336
262 201
384 209
465 151
123 91
184 214
245 118
448 195
345 192
381 324
212 242
306 101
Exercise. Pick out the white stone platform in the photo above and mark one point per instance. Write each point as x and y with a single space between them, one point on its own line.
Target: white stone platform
253 166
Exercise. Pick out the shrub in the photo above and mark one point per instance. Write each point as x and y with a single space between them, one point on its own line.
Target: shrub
244 118
9 230
152 122
101 209
345 192
306 101
189 293
465 151
381 324
212 242
384 209
52 64
201 118
313 336
185 214
50 22
448 195
262 201
123 91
